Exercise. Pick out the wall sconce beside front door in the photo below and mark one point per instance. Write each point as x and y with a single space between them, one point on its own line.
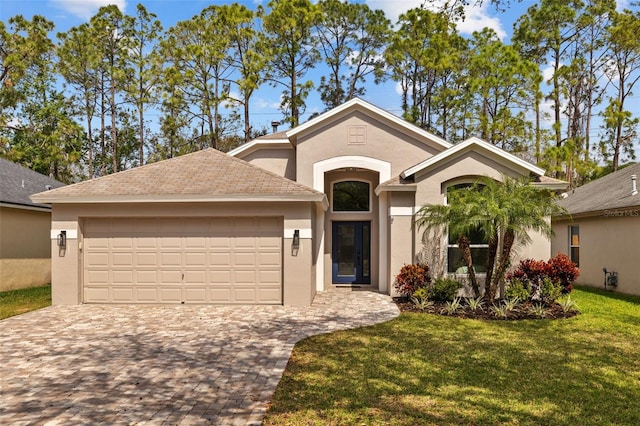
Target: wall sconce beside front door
62 243
295 243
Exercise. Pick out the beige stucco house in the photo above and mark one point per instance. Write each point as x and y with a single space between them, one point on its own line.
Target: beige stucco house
602 230
328 203
25 250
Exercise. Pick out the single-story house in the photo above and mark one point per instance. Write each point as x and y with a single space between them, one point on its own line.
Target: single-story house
328 203
602 230
25 250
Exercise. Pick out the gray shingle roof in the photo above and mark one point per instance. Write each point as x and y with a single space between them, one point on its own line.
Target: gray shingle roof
609 192
17 183
206 174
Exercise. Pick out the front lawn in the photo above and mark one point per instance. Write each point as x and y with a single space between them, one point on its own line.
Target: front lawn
428 369
16 302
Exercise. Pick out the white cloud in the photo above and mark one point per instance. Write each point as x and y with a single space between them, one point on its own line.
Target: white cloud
547 73
261 103
476 17
85 9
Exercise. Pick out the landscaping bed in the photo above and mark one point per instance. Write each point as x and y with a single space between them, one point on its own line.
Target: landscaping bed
522 311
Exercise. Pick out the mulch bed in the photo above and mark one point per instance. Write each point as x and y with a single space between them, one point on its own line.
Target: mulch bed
520 312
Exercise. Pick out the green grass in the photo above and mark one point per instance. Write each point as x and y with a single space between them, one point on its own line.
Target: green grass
427 369
16 302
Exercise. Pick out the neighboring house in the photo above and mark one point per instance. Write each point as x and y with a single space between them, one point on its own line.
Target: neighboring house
603 230
25 245
330 202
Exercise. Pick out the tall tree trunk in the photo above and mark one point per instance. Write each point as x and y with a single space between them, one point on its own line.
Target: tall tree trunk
507 244
463 244
141 120
491 260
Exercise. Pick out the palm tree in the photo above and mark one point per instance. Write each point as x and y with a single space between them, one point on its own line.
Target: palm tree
503 212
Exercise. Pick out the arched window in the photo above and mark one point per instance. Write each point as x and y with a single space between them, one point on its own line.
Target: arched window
478 244
351 196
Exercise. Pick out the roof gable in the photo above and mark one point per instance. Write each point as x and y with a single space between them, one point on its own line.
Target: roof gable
17 183
357 104
472 144
612 191
207 175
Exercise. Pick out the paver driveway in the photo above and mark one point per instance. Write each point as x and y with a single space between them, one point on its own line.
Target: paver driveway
161 364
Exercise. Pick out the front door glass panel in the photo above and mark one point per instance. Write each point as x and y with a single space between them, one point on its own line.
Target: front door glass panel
351 252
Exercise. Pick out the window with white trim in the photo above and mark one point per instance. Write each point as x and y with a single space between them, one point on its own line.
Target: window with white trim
574 244
478 244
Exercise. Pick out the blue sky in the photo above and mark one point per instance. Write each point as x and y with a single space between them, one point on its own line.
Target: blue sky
69 13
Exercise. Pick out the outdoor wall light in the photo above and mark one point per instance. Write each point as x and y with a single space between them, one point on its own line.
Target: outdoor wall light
295 244
62 243
62 239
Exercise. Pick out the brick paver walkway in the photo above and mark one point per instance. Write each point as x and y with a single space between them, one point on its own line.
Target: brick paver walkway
184 364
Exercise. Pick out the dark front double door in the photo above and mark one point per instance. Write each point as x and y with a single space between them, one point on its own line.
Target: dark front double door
351 252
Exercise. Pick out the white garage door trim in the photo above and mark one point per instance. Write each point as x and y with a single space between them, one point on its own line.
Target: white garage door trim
183 260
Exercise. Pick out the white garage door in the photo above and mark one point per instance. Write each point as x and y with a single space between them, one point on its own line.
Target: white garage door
183 260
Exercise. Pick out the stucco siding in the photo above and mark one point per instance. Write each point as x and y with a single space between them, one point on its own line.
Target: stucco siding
605 242
25 252
380 141
279 161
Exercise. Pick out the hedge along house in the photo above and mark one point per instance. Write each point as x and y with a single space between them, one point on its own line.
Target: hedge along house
25 252
328 203
602 230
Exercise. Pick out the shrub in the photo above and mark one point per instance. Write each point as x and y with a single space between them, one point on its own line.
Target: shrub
529 270
411 278
445 289
550 291
517 288
559 269
562 270
422 293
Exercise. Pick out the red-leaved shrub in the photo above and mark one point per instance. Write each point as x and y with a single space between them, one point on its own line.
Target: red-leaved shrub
560 269
411 278
563 271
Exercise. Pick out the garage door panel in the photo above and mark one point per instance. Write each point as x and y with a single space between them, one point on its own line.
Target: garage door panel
146 242
147 277
183 260
170 242
195 259
120 259
122 294
244 276
220 276
195 294
143 259
270 295
269 259
122 277
269 277
171 259
96 294
170 277
171 294
94 277
244 294
146 294
196 277
219 258
244 259
98 259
